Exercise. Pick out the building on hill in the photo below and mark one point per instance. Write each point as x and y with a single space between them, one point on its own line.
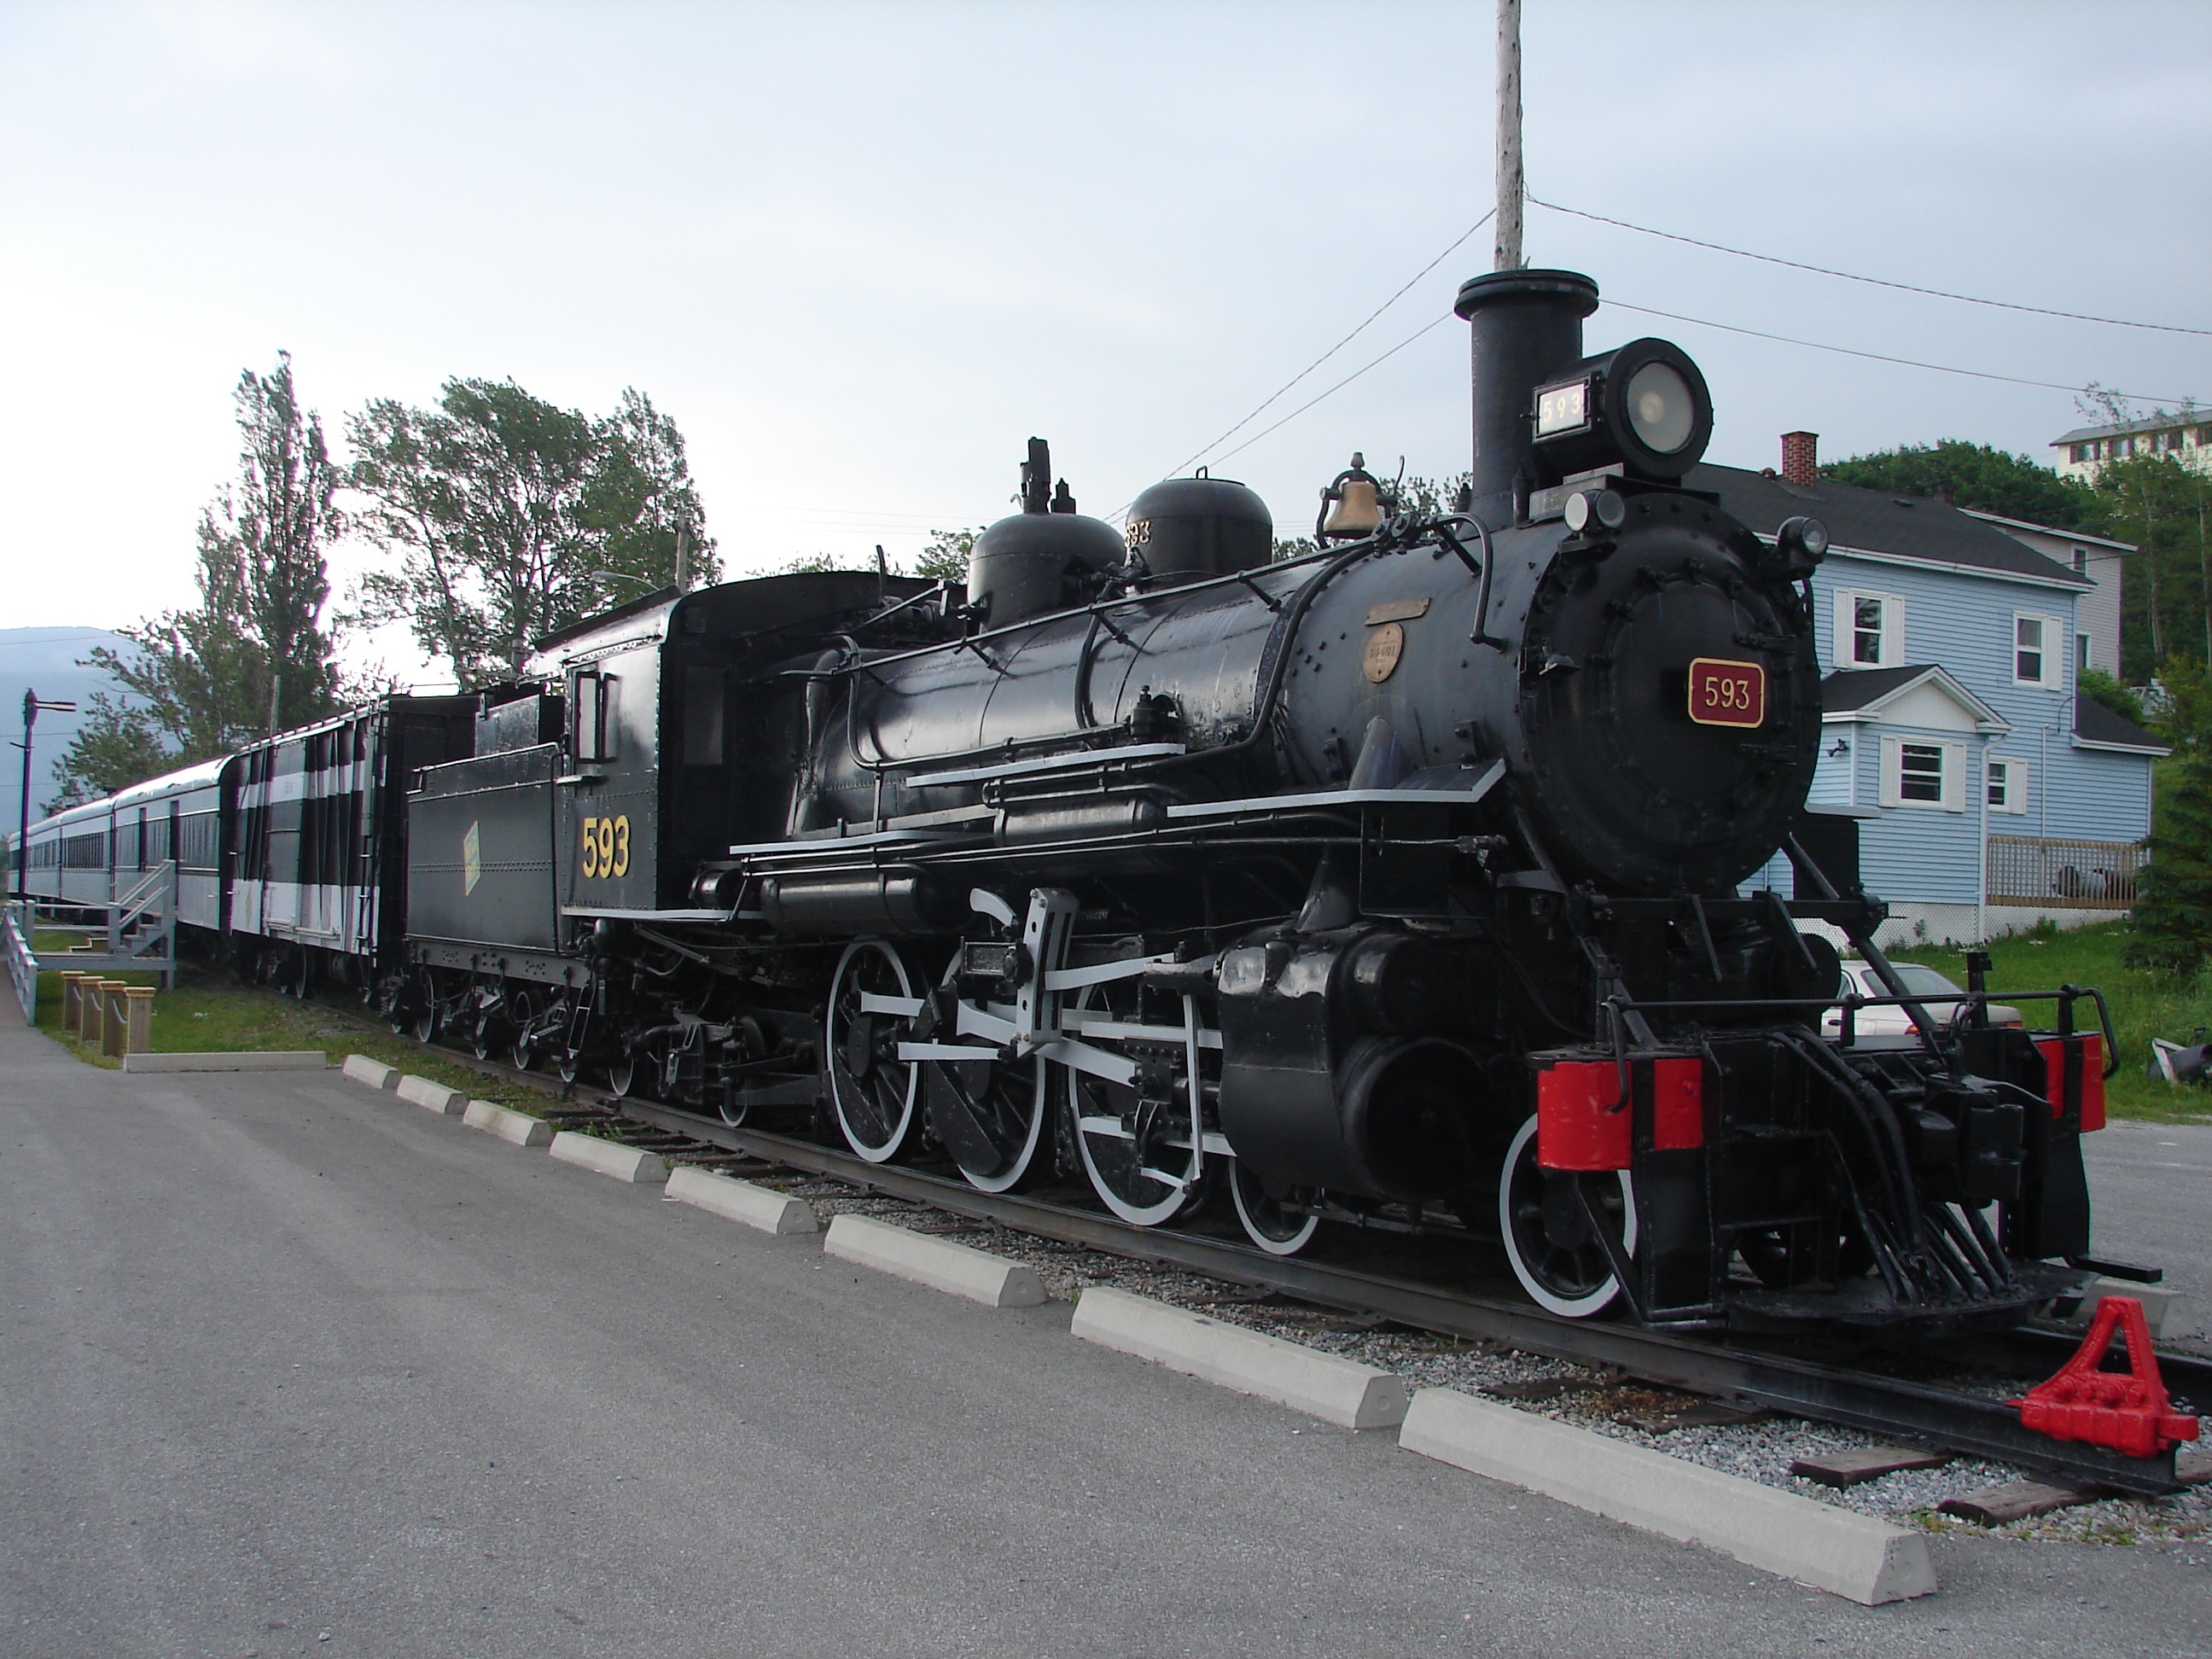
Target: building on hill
1990 794
2097 612
2186 436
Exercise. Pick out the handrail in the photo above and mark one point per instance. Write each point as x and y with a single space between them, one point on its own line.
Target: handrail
23 959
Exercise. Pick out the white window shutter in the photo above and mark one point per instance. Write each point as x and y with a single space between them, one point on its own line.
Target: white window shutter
1893 632
1892 769
2016 788
1846 606
1954 777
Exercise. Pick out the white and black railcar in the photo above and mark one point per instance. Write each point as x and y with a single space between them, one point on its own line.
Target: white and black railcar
317 823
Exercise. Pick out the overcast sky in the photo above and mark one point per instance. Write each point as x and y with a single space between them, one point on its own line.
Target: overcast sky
862 252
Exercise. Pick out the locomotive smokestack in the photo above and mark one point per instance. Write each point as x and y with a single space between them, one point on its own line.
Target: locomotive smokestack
1526 328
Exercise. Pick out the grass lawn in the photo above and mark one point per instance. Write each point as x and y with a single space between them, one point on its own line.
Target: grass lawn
2144 1004
210 1012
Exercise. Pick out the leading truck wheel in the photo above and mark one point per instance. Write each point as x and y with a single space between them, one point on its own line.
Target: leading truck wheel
872 1091
1280 1226
1555 1255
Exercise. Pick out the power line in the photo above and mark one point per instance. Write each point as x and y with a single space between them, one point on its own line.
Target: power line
1341 385
1333 349
1876 356
1876 281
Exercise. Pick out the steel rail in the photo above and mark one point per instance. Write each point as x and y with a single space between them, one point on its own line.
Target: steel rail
1891 1406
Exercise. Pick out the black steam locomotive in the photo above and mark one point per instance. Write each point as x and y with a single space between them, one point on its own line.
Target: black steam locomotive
1402 885
1399 885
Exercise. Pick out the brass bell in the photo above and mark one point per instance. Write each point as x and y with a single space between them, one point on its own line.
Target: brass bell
1352 505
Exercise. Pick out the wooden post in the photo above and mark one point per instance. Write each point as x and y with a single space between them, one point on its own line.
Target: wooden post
88 1010
114 1022
138 1025
1512 186
72 1002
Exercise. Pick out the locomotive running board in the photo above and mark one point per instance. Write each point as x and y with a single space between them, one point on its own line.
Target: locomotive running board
1888 1406
1328 798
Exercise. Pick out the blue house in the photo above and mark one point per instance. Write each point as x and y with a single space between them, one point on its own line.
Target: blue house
1991 794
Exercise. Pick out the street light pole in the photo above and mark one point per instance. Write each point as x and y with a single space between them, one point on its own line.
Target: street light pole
32 705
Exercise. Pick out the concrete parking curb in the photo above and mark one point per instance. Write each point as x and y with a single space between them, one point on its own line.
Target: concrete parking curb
519 1127
282 1060
742 1201
1855 1556
434 1095
2165 1310
976 1274
1339 1391
375 1073
610 1158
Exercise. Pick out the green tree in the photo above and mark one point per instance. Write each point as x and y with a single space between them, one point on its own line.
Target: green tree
117 744
2172 925
2165 508
252 653
1977 476
508 517
2098 686
945 558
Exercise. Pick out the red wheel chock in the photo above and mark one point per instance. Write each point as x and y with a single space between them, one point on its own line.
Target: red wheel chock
2129 1411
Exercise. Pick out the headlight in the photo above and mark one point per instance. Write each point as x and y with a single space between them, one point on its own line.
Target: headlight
1662 411
1643 405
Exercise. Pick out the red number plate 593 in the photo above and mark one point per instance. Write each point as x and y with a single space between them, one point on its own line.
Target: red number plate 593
1727 693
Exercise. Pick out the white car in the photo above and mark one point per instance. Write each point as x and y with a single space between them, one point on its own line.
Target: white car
1939 996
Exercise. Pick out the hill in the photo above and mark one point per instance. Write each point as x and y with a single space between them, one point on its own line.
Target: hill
44 659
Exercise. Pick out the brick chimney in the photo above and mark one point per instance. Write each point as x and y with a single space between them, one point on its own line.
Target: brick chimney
1800 458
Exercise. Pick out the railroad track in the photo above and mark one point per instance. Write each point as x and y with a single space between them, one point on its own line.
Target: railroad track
1738 1371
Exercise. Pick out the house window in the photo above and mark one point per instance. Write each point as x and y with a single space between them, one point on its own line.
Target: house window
1869 630
1927 773
2077 453
2081 561
2082 658
1920 773
2039 650
2007 786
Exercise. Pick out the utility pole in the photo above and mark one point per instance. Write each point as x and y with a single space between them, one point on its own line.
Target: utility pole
32 705
682 558
1511 186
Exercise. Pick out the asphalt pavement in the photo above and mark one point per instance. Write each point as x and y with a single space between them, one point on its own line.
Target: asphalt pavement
2150 1195
292 1367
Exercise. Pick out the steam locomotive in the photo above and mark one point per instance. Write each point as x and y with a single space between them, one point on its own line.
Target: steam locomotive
1403 885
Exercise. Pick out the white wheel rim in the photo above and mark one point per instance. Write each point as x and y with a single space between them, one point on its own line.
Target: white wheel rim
1580 1307
1146 1215
1290 1246
1020 1166
1137 1215
897 1139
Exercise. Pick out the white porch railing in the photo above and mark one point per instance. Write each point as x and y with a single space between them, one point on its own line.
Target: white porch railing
2065 874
